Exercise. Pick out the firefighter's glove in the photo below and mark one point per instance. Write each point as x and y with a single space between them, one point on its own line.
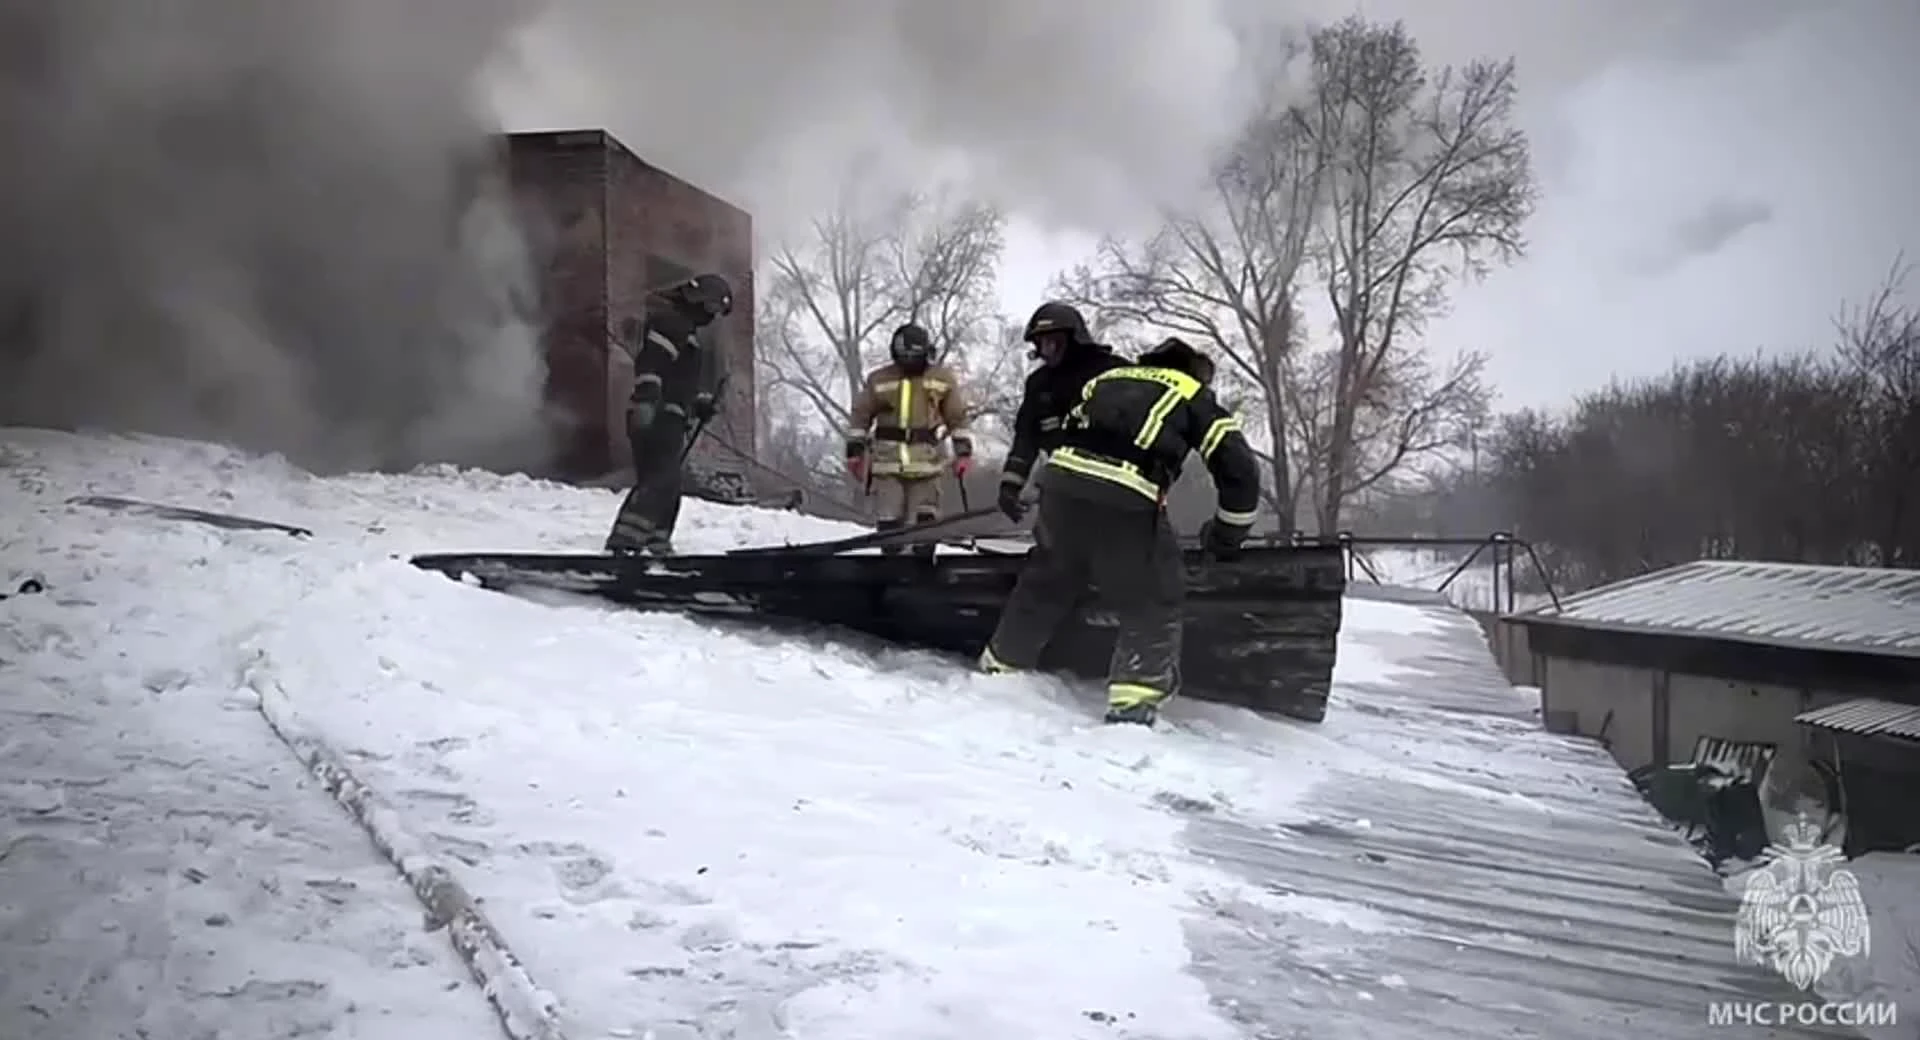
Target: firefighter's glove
1010 504
857 459
704 408
1222 541
961 464
640 416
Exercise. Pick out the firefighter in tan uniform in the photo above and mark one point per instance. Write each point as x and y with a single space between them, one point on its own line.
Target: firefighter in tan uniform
899 417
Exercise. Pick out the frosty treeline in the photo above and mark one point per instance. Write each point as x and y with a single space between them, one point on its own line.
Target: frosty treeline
1811 458
1362 187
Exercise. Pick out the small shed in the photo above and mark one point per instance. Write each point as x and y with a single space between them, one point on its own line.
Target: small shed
1812 663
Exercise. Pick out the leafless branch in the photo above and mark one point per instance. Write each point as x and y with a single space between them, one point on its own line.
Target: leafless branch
1224 274
876 261
1430 181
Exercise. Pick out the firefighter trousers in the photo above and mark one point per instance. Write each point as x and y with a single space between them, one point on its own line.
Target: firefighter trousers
1132 561
652 507
902 500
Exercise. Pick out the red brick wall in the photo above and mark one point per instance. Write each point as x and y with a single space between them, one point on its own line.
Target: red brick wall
661 229
605 228
559 188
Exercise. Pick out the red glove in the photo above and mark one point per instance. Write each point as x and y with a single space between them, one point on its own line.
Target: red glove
857 465
961 464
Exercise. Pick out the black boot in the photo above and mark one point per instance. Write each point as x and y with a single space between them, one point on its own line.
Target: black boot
1145 714
651 548
925 550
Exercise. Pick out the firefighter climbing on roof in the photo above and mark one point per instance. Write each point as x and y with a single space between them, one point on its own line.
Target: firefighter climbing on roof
1120 434
674 394
900 415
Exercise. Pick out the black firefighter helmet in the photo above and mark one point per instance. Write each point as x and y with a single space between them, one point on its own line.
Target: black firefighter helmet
703 297
1054 328
911 348
1175 353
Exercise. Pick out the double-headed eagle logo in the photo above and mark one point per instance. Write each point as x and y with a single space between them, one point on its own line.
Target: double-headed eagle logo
1799 911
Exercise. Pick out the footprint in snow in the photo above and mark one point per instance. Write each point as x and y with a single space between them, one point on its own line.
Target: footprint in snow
584 876
581 874
34 798
553 849
472 853
709 934
1184 804
459 807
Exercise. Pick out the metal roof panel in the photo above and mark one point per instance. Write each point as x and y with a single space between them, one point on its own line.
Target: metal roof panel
1867 716
1853 609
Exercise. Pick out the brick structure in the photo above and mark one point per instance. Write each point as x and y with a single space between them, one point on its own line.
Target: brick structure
606 228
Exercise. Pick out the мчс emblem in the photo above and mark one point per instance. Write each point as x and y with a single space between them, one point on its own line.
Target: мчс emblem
1800 911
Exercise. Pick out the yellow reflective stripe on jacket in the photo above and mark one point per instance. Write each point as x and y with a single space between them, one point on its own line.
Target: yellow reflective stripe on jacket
1180 388
1157 418
1074 461
906 422
1217 433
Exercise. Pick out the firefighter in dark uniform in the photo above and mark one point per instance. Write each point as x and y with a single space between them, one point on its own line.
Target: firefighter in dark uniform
673 389
1103 523
1069 356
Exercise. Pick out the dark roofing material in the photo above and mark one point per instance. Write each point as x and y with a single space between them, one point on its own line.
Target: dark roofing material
1867 716
1802 606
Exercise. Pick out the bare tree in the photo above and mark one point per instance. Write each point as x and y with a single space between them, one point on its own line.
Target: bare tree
1224 274
1765 458
868 266
1880 340
1429 182
1410 413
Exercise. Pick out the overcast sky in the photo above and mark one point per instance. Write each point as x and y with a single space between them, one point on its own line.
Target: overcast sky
1717 175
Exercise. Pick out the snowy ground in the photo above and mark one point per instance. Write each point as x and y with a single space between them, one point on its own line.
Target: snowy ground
670 823
687 831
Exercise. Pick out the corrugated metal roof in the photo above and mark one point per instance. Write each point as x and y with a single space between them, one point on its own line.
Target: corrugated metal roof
1867 716
1780 604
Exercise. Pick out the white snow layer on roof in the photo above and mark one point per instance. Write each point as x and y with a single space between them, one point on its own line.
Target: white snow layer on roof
670 823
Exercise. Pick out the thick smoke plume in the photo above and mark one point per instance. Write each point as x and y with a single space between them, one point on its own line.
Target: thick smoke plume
1075 113
262 223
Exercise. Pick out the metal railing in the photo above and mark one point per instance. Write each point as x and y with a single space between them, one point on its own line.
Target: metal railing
1506 555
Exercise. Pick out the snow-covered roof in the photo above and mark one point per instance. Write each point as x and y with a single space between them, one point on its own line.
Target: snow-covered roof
1800 606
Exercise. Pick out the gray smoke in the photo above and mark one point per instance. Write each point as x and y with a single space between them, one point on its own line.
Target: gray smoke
1078 113
262 223
1081 114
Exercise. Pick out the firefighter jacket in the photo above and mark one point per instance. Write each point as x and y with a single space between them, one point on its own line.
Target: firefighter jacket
1133 429
898 421
1051 392
671 365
